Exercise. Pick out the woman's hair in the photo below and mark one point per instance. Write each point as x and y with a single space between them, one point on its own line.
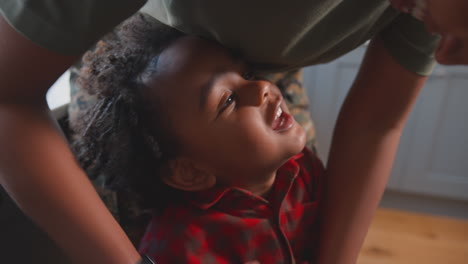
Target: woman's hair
119 138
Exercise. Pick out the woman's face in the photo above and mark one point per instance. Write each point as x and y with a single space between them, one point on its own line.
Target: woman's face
222 117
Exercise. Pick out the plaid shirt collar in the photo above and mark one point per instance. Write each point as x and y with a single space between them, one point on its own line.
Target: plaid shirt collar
231 225
285 176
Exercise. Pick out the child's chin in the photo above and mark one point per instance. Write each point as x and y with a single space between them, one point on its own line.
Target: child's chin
298 142
296 146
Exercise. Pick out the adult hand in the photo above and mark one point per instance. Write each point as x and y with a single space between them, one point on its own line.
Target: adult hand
445 17
452 50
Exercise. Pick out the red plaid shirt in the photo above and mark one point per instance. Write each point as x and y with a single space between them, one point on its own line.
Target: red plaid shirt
232 225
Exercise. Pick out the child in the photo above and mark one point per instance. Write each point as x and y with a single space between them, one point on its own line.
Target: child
188 126
181 118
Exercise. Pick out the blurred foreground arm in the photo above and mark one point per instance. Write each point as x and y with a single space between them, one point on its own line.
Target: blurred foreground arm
37 167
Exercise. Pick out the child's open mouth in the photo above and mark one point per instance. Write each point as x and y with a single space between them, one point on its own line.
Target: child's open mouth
283 121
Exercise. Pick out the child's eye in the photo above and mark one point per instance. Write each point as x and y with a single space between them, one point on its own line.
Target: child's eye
232 97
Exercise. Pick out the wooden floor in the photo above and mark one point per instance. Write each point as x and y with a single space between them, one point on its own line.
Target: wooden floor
398 237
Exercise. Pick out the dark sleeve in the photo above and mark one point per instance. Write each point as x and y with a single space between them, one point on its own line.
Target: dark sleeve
410 44
66 27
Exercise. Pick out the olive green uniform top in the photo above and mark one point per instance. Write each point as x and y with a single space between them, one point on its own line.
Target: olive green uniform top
278 35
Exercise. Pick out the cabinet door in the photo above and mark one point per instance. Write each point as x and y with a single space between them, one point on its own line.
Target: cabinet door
434 151
327 86
433 154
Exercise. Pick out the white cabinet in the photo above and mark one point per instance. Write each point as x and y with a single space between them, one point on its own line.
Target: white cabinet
59 93
433 156
433 153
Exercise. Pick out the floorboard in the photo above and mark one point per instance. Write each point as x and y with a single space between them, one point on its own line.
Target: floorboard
399 237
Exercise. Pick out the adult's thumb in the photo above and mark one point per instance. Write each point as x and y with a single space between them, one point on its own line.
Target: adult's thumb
452 50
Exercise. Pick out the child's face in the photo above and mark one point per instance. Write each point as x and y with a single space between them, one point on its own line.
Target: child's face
237 127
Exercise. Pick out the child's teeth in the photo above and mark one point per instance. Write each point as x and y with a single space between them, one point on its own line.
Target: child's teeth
279 112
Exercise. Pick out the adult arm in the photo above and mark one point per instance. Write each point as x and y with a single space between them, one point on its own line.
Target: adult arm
364 144
37 167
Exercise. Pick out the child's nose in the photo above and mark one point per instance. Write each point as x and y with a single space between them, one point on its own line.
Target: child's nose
257 92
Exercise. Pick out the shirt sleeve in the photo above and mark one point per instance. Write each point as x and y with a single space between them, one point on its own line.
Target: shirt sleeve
67 27
410 44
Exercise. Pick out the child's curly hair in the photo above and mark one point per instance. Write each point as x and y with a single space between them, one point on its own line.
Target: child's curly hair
118 137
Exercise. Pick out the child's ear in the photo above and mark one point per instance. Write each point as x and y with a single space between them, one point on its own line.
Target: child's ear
185 175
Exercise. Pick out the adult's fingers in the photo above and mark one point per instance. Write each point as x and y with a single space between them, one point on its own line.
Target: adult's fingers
403 5
452 50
